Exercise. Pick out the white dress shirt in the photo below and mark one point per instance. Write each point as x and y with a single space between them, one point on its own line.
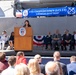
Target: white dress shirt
9 71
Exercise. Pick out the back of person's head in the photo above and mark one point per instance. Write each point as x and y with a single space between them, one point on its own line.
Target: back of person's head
22 69
52 68
56 55
2 56
38 58
73 59
20 53
12 60
34 66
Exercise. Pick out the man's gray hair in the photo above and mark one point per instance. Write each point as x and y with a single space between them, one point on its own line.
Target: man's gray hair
52 68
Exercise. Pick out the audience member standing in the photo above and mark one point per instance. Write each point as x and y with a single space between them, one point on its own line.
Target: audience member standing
11 69
20 58
52 68
21 69
34 67
56 57
39 60
3 62
71 68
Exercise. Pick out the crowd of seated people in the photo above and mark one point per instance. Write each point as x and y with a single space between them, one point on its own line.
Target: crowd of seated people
56 41
10 42
60 42
34 65
6 42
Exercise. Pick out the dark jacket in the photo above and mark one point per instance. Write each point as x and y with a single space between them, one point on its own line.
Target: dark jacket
48 39
42 68
28 25
67 37
64 68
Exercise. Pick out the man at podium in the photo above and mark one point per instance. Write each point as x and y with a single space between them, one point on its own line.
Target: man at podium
27 24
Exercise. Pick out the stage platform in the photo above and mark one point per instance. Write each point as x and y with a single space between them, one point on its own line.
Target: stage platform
41 52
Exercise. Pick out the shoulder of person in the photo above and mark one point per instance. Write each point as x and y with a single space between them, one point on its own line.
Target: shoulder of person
62 64
70 64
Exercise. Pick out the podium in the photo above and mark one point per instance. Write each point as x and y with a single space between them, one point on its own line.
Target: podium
23 39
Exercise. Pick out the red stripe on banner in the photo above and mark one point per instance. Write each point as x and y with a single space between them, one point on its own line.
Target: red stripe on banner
37 43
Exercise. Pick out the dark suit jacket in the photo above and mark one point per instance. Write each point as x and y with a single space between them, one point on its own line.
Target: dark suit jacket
71 68
42 68
64 68
72 39
28 25
65 37
48 39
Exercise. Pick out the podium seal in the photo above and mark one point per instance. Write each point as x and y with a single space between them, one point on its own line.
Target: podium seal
22 31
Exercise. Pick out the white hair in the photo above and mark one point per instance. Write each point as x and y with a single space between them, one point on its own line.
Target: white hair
52 64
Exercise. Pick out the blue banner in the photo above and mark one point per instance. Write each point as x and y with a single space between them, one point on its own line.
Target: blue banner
59 11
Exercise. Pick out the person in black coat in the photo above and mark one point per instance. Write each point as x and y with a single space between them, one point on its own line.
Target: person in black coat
56 57
73 41
67 39
48 40
12 37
